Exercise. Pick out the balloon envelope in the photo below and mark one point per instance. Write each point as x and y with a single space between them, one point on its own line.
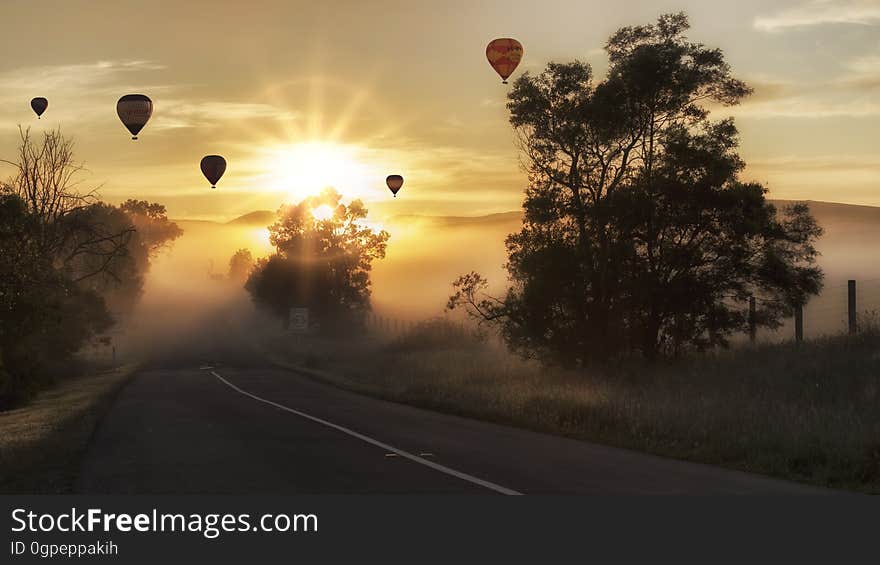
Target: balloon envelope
134 110
39 105
504 55
394 183
213 167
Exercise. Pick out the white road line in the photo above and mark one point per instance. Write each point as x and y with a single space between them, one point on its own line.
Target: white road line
377 443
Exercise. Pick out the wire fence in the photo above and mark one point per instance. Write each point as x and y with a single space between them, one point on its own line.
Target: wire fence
840 308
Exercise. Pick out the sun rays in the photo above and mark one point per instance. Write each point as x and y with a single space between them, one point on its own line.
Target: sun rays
330 134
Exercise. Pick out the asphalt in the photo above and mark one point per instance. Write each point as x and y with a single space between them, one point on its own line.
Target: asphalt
193 425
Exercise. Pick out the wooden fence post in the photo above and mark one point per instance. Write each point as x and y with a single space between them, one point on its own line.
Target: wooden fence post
753 322
799 323
851 306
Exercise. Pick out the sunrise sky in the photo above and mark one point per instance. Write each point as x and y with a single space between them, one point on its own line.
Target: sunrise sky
298 95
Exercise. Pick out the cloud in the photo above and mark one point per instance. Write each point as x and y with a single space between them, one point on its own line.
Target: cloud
492 103
863 73
806 106
821 12
81 93
71 78
817 163
179 113
77 93
852 93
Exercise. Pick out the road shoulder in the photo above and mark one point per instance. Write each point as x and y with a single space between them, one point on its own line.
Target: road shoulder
42 443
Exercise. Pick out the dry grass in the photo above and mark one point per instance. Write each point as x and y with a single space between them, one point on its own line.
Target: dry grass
41 443
805 412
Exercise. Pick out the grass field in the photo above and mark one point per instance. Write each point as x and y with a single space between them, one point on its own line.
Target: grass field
807 412
41 443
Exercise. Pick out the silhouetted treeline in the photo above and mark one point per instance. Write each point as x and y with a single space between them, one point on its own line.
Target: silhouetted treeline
69 263
638 234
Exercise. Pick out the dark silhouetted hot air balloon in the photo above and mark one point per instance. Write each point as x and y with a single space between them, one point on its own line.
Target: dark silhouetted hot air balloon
394 183
504 55
39 106
134 110
213 167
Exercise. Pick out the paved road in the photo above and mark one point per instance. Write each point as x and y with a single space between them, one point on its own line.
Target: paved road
246 427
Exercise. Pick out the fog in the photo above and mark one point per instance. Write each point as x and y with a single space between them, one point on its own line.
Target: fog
188 299
188 304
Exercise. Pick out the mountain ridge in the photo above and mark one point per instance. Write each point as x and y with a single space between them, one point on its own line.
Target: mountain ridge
265 217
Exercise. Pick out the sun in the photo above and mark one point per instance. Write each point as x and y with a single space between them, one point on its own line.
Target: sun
322 212
304 169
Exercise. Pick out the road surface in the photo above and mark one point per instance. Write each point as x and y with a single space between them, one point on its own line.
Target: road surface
242 426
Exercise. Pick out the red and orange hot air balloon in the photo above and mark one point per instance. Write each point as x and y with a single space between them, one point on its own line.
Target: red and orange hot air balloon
504 55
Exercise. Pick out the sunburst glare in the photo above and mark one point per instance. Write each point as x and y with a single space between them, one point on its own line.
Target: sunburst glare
304 169
322 212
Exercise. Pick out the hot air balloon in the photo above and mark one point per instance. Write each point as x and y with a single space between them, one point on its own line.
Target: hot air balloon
504 55
134 110
39 106
394 183
213 167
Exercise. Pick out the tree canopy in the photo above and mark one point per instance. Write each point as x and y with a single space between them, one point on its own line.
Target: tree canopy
69 263
240 265
323 258
638 234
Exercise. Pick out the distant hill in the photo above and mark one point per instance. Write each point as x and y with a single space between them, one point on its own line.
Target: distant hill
841 219
499 218
257 218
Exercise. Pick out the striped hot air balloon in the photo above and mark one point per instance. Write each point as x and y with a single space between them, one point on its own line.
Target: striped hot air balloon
134 110
504 55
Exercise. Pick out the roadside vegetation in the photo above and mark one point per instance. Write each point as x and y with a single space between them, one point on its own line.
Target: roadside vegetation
71 266
42 443
804 412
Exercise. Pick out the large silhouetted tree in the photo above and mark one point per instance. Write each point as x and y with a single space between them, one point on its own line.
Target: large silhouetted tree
637 233
322 260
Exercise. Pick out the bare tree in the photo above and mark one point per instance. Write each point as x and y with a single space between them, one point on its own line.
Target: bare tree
48 180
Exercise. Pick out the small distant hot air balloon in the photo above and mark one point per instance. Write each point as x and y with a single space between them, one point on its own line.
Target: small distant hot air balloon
394 183
504 55
134 110
213 167
39 106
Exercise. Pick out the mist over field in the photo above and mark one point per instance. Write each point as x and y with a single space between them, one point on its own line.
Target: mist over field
187 292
